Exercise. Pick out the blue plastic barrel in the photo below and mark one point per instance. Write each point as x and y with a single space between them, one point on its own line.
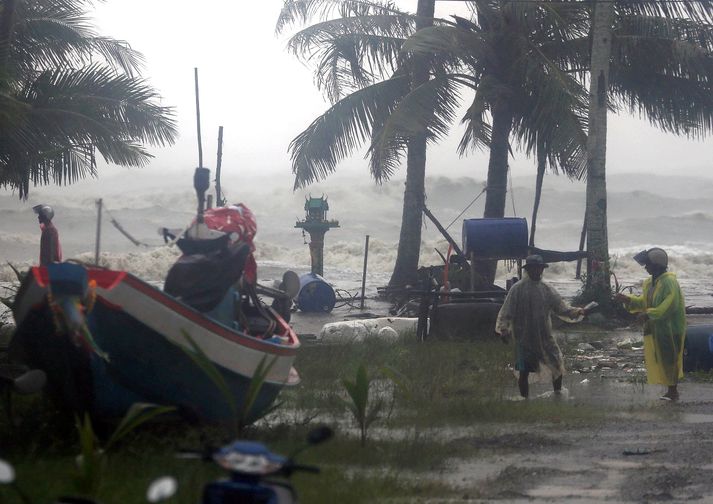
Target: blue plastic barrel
315 295
699 348
504 238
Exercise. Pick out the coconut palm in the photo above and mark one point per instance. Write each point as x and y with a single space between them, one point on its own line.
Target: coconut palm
67 93
358 65
661 68
509 55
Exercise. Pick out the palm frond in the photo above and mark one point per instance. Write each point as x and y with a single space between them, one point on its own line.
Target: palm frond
662 69
466 45
343 128
353 61
477 130
50 34
673 103
303 11
696 10
67 114
428 110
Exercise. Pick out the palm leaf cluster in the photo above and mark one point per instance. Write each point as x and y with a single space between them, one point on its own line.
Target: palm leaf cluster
67 93
663 70
524 66
514 51
533 56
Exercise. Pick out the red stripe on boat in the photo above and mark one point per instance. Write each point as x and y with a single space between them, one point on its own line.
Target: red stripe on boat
106 279
109 279
201 320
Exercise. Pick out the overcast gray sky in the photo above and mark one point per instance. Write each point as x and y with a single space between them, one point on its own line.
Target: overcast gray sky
264 97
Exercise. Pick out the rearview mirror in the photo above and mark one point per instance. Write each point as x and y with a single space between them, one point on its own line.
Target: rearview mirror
161 489
7 473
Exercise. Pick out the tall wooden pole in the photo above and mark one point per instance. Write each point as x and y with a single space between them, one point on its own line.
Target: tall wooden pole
541 165
198 121
97 240
597 240
582 240
363 276
218 164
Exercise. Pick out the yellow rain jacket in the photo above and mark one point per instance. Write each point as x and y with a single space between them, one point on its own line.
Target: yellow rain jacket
665 331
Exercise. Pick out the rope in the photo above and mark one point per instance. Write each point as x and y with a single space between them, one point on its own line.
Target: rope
346 298
466 208
512 195
123 231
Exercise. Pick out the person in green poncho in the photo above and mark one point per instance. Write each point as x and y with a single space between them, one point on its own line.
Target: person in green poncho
661 307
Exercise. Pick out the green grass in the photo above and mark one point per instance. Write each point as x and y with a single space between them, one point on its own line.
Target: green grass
443 387
700 376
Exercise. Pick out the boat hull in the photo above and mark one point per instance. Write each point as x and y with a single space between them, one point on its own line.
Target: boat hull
140 335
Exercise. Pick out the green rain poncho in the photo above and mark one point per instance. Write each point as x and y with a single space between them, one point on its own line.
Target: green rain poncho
665 331
526 313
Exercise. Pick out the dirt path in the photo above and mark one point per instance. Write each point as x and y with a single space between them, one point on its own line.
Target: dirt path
664 453
644 450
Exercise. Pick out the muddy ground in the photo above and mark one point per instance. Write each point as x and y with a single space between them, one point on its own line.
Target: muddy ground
643 449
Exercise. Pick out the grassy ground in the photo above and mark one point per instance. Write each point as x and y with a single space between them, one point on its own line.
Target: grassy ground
431 393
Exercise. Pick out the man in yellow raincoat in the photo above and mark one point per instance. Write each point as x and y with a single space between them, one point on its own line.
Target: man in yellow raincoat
661 307
526 316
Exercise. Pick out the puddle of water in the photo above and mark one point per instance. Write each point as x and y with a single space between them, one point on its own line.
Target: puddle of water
619 464
696 418
559 492
562 395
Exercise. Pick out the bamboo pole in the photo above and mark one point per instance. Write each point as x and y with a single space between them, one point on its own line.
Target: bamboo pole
97 240
218 194
363 276
198 121
445 234
582 238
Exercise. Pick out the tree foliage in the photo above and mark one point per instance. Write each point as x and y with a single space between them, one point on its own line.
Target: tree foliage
67 93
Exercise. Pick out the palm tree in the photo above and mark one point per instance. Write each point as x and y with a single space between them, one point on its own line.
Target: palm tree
359 68
514 74
660 67
515 58
68 93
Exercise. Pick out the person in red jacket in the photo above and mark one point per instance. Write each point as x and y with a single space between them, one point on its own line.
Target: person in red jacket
50 250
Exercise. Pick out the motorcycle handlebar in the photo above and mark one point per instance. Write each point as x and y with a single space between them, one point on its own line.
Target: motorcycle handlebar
302 468
205 455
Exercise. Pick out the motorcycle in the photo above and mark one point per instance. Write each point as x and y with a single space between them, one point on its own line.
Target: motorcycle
257 475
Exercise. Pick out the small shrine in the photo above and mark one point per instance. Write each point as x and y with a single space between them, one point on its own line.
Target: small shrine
316 224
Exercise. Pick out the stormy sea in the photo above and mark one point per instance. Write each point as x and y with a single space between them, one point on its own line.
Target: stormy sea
675 213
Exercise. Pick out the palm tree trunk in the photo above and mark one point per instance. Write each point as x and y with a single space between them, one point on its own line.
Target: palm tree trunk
498 163
597 241
7 22
406 267
497 176
541 164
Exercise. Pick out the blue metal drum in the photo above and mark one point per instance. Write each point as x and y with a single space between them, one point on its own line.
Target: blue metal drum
315 294
504 238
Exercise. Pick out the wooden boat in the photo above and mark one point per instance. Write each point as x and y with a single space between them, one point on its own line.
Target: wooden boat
107 339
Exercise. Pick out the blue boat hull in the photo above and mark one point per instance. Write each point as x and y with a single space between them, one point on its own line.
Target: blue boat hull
137 353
